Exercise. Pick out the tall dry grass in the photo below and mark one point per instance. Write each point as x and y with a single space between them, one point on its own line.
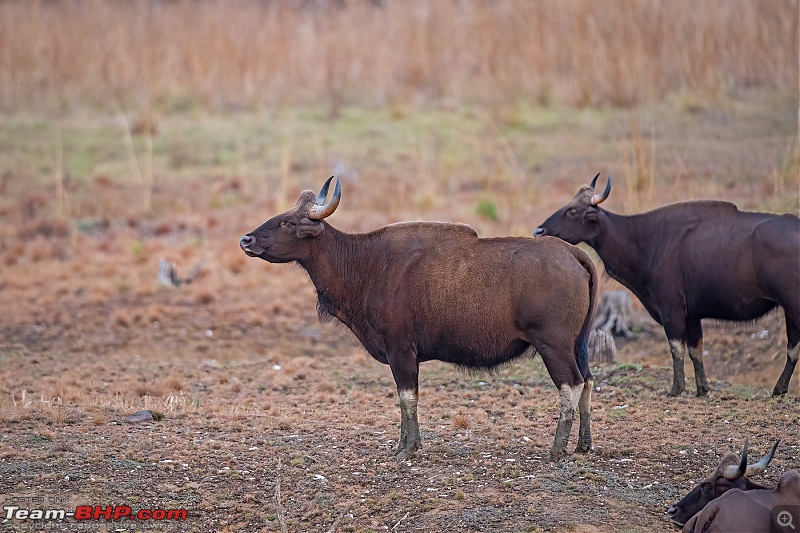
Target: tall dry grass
248 53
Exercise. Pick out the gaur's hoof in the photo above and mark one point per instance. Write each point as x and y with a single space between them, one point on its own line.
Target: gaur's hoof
406 451
583 447
557 455
404 455
781 387
675 392
702 392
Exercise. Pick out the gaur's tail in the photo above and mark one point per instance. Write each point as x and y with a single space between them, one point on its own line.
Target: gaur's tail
581 348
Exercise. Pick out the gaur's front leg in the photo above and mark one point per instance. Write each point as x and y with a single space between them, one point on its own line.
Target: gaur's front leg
677 348
585 410
410 438
405 369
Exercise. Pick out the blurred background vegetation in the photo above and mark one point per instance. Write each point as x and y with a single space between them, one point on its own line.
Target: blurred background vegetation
116 109
180 55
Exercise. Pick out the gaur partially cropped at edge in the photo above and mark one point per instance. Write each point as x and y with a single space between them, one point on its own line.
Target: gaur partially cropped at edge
693 260
731 473
421 291
729 501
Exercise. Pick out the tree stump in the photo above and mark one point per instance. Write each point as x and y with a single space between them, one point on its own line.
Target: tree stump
614 314
602 348
168 273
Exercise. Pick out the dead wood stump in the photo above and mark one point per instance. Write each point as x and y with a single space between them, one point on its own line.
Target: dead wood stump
602 348
614 314
168 273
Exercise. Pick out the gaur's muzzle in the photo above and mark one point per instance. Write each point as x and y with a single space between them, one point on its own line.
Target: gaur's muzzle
246 242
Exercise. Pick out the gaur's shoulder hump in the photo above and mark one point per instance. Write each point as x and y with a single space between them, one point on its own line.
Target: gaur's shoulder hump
702 208
444 229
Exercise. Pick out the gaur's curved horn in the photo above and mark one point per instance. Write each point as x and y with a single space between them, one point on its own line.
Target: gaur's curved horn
760 466
323 192
594 181
600 198
735 472
318 212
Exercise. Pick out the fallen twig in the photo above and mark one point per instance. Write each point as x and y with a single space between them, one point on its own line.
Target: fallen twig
398 522
339 519
279 507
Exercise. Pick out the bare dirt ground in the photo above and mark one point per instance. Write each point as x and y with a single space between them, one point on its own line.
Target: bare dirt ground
265 417
252 410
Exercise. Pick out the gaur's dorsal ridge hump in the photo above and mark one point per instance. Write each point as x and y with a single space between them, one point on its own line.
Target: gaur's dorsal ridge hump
709 207
438 227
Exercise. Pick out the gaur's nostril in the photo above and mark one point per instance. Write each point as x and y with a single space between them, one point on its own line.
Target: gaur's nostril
671 511
247 240
539 231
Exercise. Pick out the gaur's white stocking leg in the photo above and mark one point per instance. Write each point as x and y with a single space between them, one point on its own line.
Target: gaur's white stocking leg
569 399
585 411
677 348
410 439
700 379
405 369
694 341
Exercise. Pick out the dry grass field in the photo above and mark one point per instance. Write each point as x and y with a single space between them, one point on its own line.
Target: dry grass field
136 132
180 54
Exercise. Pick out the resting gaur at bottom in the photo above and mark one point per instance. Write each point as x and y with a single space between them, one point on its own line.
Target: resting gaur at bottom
728 500
421 291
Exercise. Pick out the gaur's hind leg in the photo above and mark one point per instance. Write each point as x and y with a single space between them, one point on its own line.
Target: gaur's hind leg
694 341
563 369
585 410
569 396
405 370
792 353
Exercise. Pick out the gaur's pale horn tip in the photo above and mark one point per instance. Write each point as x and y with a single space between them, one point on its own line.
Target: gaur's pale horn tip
323 192
735 472
760 466
600 198
318 212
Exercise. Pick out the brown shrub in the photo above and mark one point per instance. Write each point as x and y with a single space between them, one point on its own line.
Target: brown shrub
461 422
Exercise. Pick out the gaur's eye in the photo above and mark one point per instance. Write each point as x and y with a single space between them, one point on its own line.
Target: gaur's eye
288 224
572 212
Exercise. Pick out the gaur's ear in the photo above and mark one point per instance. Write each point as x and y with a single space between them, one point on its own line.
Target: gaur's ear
590 214
309 228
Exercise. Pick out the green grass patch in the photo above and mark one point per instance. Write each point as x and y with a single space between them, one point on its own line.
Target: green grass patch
487 208
626 367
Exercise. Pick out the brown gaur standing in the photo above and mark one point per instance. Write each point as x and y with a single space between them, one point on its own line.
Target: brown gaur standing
420 291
